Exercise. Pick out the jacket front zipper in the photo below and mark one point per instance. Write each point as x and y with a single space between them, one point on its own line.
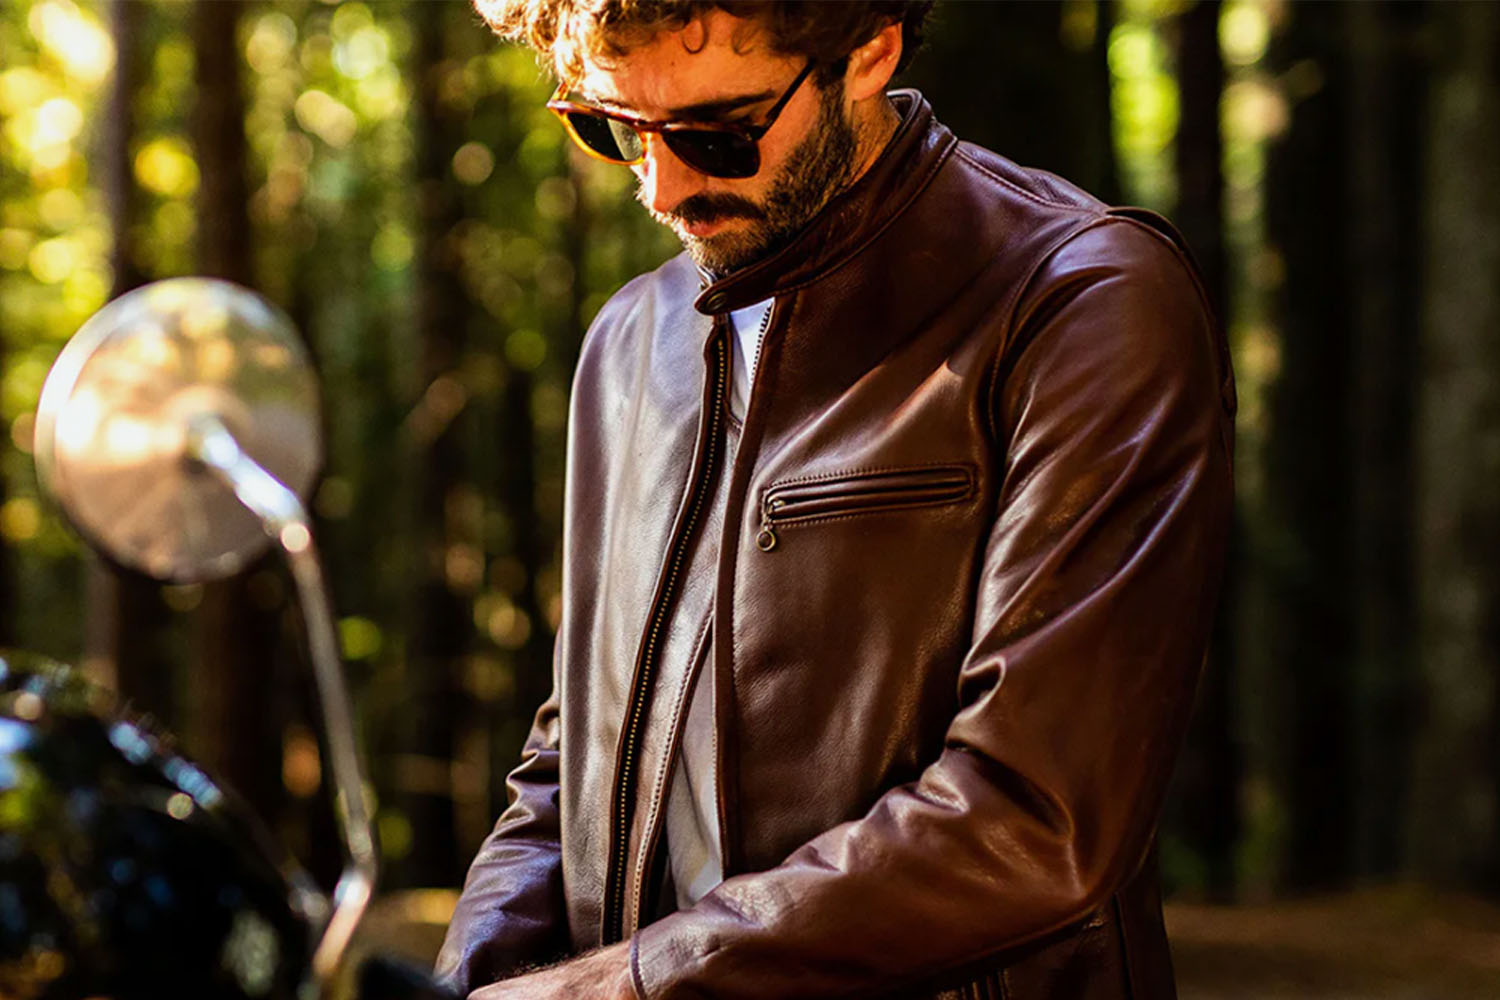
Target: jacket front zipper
613 928
858 493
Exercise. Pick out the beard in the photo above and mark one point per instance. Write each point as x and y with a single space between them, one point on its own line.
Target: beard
817 169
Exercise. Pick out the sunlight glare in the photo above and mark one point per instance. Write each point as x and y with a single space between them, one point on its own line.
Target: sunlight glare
75 39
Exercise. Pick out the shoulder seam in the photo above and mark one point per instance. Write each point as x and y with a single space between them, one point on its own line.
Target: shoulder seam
1019 290
1181 252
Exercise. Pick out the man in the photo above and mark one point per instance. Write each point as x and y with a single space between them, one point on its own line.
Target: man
895 513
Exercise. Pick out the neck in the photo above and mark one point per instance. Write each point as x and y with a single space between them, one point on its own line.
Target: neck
875 133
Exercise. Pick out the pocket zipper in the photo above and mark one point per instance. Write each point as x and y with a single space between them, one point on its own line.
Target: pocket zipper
859 493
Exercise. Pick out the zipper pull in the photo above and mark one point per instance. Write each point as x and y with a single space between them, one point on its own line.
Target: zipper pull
766 539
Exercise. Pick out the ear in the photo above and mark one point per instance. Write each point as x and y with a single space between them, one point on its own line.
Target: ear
872 65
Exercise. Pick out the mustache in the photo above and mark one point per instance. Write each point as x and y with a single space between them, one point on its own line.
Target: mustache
712 208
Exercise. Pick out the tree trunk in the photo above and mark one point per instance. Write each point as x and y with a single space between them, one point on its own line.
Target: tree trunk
1200 148
233 723
218 125
127 621
1205 802
1308 460
1454 815
1385 113
440 635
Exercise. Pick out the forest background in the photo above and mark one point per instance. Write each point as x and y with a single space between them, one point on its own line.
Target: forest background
386 172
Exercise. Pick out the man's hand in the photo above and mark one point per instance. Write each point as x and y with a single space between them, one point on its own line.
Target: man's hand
599 975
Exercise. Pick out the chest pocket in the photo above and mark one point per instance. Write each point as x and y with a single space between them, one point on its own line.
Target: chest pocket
791 503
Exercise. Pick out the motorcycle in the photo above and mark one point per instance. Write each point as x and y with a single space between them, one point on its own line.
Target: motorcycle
178 431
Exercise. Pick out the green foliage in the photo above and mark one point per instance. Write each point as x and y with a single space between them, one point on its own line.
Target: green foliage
1145 104
543 239
55 60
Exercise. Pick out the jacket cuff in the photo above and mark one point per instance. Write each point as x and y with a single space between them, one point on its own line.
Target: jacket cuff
665 954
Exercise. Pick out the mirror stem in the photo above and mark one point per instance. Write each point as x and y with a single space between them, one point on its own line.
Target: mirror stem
282 515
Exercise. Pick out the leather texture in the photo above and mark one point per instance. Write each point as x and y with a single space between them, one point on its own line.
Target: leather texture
951 689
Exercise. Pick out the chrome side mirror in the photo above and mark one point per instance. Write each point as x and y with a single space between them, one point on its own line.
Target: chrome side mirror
179 432
114 427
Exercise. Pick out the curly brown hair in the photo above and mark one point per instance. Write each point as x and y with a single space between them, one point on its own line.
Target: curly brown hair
565 32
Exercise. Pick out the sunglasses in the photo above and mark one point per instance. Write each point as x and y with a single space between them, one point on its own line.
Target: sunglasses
718 149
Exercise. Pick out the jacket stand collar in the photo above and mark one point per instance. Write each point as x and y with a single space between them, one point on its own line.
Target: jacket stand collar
843 226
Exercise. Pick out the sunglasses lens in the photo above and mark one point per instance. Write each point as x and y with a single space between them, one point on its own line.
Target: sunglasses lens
610 139
711 151
718 154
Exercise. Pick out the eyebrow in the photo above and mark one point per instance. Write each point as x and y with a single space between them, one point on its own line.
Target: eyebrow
703 110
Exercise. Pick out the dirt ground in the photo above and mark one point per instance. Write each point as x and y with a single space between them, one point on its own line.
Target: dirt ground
1395 943
1378 944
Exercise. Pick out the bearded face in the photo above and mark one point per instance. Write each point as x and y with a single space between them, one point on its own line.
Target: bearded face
816 169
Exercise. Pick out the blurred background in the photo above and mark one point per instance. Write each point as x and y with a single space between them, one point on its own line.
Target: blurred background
386 172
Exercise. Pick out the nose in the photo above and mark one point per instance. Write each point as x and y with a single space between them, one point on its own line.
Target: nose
665 179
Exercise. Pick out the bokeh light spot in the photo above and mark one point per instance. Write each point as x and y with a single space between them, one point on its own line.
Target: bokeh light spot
271 42
301 764
20 518
1244 34
463 567
58 120
59 208
526 349
22 88
15 248
166 167
359 638
326 117
23 432
395 835
51 260
556 199
361 54
473 163
74 38
391 249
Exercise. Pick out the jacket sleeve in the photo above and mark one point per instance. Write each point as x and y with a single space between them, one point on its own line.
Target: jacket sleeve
1111 406
511 913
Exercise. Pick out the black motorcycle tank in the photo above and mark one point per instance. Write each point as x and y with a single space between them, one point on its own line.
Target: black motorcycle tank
125 870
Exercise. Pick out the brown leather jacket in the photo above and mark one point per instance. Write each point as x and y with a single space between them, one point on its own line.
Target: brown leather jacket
954 577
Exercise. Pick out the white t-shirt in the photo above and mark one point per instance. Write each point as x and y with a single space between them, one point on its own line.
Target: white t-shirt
693 799
748 323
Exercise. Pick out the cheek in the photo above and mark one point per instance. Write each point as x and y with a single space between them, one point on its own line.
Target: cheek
779 144
773 155
775 163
